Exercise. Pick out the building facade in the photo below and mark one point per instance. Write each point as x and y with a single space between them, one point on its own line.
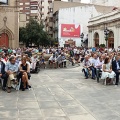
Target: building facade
52 11
115 3
74 17
9 24
97 27
74 1
44 8
29 9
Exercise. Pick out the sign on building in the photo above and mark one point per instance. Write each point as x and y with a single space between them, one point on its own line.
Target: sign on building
70 30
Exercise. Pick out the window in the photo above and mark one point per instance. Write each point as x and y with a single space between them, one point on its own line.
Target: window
28 17
27 8
27 3
27 13
21 3
21 8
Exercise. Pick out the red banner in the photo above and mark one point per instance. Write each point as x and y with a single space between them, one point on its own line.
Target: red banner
70 30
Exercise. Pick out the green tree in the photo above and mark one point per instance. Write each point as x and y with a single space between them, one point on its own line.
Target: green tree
34 33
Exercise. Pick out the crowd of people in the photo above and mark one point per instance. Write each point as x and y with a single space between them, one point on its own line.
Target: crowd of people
105 62
16 64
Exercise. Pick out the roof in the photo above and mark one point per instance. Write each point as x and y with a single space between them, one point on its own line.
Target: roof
103 9
61 4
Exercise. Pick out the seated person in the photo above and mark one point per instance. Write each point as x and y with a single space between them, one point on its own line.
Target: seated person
63 60
3 74
53 61
116 68
24 69
11 69
107 72
34 61
87 65
94 62
42 60
98 67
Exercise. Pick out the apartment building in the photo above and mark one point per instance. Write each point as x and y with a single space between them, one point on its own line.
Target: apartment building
44 8
29 9
51 17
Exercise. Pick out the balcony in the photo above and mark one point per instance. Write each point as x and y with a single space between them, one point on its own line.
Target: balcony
50 15
55 29
42 13
50 24
51 5
50 32
49 1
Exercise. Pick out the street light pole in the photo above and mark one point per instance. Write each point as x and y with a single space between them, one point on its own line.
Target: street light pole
81 36
106 33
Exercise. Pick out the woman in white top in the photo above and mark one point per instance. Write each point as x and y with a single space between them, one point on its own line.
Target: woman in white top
107 72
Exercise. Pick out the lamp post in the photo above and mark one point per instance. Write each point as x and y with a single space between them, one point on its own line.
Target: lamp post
82 36
106 33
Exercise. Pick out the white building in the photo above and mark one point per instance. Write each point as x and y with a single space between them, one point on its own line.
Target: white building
78 16
115 3
98 25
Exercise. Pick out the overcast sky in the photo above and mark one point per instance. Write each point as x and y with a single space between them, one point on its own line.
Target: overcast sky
3 1
84 1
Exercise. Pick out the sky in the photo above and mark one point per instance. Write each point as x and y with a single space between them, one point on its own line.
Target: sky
3 1
83 1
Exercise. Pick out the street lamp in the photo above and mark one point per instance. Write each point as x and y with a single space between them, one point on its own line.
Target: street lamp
106 33
82 36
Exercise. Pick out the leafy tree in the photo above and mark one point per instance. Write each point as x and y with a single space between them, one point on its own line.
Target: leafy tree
34 33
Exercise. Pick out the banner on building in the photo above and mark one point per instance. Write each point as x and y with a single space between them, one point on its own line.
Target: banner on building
70 30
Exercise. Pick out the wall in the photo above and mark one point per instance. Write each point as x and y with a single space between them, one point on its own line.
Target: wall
75 15
12 25
110 20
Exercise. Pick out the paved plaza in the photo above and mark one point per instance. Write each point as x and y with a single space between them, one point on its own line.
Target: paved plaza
61 94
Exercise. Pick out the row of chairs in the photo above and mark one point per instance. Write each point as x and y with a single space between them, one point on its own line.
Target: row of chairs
98 77
17 86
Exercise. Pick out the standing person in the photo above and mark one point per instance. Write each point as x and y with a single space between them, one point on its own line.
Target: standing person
72 57
11 69
116 68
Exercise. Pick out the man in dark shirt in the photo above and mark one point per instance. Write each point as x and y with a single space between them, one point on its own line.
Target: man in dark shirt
116 68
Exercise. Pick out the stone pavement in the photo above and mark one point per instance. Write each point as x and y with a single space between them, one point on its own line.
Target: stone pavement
62 94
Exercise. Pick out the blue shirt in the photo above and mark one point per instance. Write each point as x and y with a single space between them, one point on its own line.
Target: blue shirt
11 67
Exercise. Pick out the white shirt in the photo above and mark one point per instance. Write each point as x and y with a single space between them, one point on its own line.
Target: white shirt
94 62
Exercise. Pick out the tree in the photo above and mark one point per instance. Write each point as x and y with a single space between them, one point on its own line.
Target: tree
34 33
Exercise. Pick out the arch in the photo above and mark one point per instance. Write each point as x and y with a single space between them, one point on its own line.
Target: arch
8 32
96 39
6 36
4 40
111 39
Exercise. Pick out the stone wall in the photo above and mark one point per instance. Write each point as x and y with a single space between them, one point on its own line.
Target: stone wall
9 22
